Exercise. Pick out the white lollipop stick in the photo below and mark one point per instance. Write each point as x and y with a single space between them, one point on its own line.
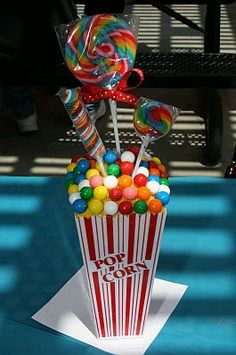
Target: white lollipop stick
101 165
113 108
142 150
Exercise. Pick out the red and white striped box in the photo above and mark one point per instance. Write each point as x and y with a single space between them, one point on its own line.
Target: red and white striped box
120 255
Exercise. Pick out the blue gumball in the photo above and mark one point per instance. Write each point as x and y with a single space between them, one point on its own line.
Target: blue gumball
69 175
164 197
110 157
79 205
83 165
153 177
79 178
144 163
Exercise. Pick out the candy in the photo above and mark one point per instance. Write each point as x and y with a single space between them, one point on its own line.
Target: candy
96 180
127 156
83 165
144 163
143 170
124 181
83 183
69 182
72 188
74 196
70 167
110 157
154 171
143 193
130 193
110 181
163 196
91 172
79 178
155 206
79 205
126 167
116 193
113 169
140 180
125 207
153 186
153 177
69 176
140 207
95 206
75 158
110 208
100 192
86 193
134 149
100 49
164 188
164 181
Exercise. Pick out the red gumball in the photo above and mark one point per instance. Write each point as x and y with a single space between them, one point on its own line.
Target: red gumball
152 164
115 194
134 149
164 175
125 207
140 180
127 167
75 158
118 162
87 156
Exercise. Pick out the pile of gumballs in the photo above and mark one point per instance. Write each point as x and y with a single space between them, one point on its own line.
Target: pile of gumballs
90 193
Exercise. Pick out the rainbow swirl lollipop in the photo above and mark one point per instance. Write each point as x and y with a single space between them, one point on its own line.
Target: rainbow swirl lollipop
100 49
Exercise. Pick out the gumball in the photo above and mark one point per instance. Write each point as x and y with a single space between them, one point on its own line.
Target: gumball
164 181
154 171
86 193
87 156
164 175
91 172
152 164
79 178
76 171
83 165
127 156
100 192
153 186
72 188
116 193
130 193
83 184
134 149
140 207
110 157
153 177
74 196
79 205
95 206
110 208
113 169
140 180
75 159
70 167
156 160
155 206
69 182
110 181
162 168
92 163
164 197
143 170
96 180
164 188
125 207
126 167
69 176
98 167
144 163
143 193
125 181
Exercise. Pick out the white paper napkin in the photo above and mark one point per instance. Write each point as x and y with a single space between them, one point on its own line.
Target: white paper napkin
70 312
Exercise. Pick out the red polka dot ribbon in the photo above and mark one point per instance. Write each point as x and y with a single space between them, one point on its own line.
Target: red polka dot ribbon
92 93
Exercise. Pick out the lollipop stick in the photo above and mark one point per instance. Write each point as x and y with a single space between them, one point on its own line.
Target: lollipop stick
142 150
113 107
101 165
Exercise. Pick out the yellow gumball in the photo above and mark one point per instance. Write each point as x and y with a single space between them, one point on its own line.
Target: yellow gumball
91 172
100 192
72 188
95 206
156 160
98 167
70 167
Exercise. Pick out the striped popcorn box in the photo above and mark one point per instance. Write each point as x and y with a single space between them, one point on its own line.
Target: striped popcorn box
120 255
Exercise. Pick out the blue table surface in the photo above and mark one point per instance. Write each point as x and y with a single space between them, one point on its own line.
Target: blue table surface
39 252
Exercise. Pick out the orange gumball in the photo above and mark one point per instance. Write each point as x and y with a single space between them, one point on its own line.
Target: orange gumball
92 163
155 206
143 193
154 171
162 168
125 181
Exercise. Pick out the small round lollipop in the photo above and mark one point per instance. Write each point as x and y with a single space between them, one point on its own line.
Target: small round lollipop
152 121
83 124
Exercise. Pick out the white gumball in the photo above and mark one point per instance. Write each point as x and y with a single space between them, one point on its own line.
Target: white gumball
74 196
110 181
83 183
143 170
164 188
153 186
110 208
127 156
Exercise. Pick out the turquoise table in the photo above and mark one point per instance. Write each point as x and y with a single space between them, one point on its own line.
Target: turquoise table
39 252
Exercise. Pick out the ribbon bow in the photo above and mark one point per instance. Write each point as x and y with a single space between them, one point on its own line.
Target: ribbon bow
92 93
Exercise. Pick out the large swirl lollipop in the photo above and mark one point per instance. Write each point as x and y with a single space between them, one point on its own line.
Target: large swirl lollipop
152 121
100 49
83 124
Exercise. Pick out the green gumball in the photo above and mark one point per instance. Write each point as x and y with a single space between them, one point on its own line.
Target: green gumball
140 207
86 193
113 169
